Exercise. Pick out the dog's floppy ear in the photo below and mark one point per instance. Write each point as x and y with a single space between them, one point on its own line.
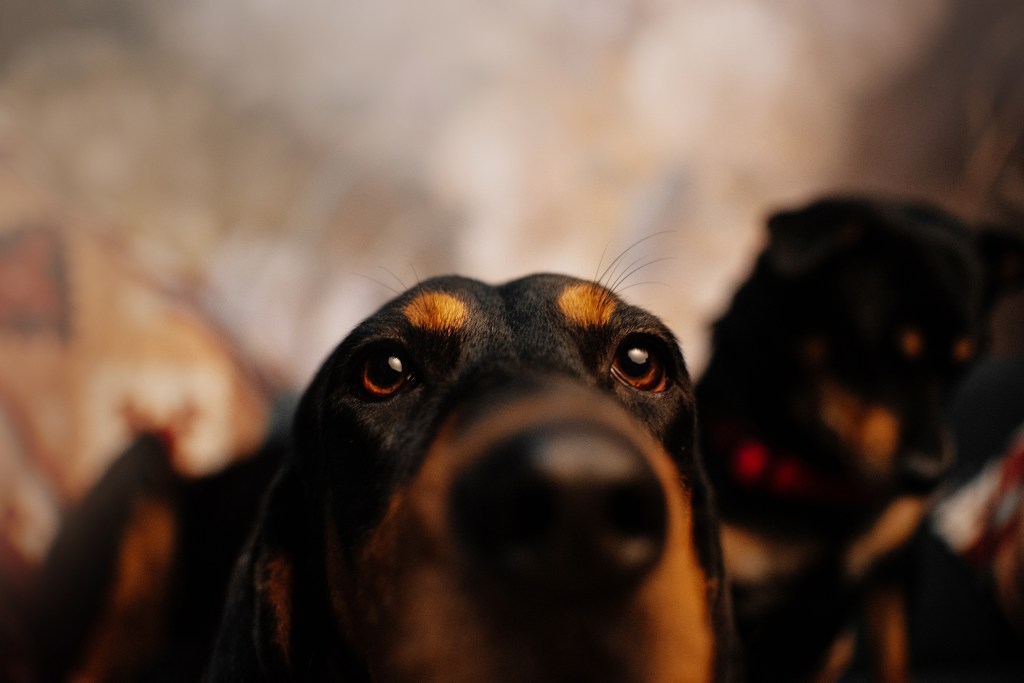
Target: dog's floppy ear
255 641
1002 256
802 239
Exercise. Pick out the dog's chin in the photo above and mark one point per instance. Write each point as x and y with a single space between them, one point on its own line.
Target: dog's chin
469 636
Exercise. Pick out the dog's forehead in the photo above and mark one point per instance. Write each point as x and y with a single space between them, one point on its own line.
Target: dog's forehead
454 305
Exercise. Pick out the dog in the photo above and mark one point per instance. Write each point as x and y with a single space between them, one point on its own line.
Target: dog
482 483
132 586
821 420
488 483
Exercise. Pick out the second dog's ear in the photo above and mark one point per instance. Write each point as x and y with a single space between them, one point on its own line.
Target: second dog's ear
1002 255
802 239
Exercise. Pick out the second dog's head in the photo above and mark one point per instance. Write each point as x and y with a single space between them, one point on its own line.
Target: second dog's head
840 351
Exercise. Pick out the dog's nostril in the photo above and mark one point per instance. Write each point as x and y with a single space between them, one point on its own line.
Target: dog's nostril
571 511
526 515
636 510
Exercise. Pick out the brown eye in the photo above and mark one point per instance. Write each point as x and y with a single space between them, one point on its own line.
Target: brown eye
637 364
384 372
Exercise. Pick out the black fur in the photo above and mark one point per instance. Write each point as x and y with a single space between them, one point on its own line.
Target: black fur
352 455
836 286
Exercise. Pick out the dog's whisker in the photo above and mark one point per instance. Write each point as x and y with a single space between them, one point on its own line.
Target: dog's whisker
614 282
382 284
630 273
600 262
618 259
392 274
415 274
638 284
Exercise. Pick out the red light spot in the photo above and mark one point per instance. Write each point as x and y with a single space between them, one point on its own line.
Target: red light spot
787 475
749 462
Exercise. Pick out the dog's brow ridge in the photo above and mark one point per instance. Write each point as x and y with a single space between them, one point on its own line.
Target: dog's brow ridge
436 312
586 304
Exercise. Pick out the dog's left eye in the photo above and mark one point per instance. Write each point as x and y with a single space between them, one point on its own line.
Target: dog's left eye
638 364
384 373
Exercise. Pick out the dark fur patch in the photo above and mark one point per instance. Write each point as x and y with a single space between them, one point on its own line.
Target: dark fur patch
822 408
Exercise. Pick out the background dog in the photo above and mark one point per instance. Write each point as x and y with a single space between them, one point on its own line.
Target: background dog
822 419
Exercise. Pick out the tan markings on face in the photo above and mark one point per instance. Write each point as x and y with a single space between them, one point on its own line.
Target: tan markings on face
911 343
275 585
890 531
870 431
586 304
963 350
879 436
751 557
676 598
131 626
436 312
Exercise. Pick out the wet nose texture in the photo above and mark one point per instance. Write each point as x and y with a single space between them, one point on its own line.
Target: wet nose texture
565 510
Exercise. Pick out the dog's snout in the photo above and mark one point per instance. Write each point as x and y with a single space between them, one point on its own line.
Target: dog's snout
569 509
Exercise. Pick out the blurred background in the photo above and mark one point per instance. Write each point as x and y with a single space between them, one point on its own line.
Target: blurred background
198 199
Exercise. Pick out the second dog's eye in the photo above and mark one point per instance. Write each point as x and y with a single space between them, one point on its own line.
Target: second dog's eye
384 373
639 365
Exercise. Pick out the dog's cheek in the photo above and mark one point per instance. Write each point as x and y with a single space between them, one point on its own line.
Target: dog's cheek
413 606
675 602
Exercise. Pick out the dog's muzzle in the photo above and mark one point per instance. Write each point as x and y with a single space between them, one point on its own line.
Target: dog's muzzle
557 495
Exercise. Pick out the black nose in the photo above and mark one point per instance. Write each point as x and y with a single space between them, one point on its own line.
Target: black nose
568 509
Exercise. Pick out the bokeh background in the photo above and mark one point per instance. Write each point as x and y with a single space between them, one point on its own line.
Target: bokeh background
265 172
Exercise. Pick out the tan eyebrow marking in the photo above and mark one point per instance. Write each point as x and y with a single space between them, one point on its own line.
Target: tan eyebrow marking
911 343
436 312
586 304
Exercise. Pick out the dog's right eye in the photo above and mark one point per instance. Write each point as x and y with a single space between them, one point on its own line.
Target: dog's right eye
638 363
384 373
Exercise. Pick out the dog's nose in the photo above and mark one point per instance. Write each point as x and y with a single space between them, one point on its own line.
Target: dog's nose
568 509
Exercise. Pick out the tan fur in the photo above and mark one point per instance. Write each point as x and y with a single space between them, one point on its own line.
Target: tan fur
275 586
871 431
436 312
879 437
131 626
840 656
432 618
682 647
586 304
752 557
911 343
885 612
892 529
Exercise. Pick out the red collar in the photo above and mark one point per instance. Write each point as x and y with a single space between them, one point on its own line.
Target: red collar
752 465
780 473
